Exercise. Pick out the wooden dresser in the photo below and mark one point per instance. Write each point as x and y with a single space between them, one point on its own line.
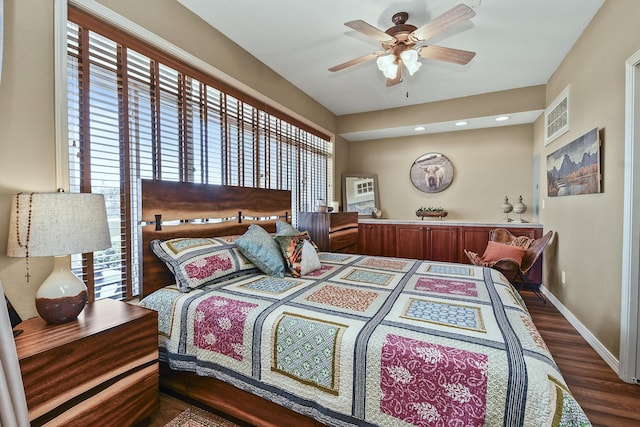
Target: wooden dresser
437 240
103 366
331 231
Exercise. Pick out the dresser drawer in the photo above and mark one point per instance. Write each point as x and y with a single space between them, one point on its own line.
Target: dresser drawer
344 240
332 232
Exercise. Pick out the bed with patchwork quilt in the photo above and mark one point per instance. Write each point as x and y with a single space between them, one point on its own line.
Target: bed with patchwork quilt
348 340
372 341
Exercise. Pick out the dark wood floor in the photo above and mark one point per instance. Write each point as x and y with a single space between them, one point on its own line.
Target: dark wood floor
606 399
170 407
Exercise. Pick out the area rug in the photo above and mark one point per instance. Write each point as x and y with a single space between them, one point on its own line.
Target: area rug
196 417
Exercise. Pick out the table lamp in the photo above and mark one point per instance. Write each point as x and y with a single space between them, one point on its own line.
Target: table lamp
58 224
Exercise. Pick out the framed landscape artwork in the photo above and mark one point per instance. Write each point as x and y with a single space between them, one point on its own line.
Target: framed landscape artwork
575 168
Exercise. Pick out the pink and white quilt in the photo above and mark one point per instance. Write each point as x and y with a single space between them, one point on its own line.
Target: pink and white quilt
373 341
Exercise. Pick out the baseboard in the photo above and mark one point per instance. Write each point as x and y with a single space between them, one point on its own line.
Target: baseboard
584 332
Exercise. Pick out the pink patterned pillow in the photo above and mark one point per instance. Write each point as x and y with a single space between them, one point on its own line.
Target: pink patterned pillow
197 262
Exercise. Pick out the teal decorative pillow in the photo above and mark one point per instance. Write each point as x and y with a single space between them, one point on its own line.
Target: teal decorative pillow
261 249
197 262
286 229
300 252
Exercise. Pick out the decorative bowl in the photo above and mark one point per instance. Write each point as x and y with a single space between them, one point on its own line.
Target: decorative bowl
434 214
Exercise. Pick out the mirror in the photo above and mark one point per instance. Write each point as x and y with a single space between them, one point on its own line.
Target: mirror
360 193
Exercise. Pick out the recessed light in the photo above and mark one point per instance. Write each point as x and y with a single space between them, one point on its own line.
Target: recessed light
419 128
462 123
502 118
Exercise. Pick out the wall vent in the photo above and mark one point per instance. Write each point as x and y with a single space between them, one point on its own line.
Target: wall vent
556 117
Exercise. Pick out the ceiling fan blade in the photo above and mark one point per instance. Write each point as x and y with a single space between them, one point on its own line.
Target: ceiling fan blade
369 31
398 77
356 61
457 14
447 54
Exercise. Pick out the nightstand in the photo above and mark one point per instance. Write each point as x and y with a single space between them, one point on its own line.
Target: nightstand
332 232
103 367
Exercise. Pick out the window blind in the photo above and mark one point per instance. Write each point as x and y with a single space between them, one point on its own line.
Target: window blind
134 113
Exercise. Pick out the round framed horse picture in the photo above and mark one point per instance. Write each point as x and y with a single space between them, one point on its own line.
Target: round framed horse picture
431 172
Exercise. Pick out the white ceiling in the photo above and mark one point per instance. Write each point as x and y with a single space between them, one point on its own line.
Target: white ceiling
519 43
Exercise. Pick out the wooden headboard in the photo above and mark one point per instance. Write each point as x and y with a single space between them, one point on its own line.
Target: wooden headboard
177 209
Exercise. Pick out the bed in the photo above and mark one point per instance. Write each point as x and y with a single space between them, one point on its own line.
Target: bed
355 340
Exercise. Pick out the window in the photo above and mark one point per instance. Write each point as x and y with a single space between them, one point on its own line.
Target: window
364 187
135 113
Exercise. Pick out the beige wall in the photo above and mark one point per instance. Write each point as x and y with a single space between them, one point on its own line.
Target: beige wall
27 147
588 241
588 244
163 17
27 128
488 165
170 20
524 99
589 227
341 164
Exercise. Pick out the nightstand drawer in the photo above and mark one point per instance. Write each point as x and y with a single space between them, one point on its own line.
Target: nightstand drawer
65 366
119 403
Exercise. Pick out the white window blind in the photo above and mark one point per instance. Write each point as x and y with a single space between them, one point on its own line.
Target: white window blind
135 114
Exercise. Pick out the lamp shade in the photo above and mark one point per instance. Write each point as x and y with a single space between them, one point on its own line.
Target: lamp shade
52 224
387 64
410 59
58 225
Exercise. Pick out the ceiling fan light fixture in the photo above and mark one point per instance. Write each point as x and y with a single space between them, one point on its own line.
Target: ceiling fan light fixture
400 41
410 60
387 64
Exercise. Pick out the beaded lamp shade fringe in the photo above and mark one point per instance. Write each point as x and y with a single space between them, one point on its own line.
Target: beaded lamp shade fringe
24 244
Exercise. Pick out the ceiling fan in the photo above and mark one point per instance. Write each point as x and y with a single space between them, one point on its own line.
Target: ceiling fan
400 43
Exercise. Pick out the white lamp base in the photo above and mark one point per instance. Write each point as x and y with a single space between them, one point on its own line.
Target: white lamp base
62 296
